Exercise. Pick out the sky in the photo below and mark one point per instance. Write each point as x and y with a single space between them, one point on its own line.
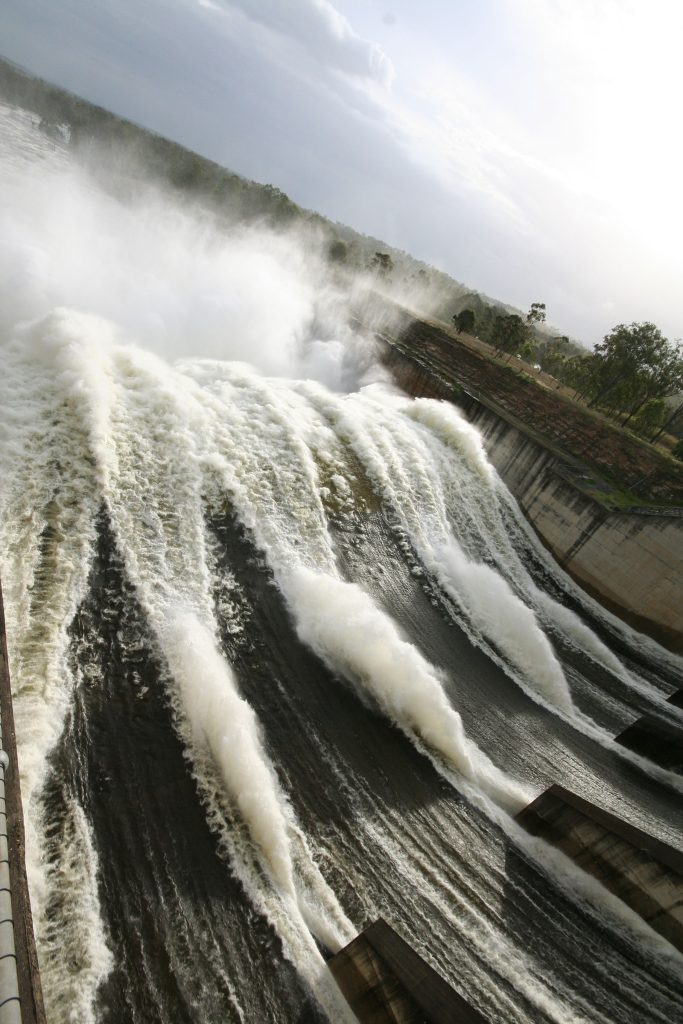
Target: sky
530 148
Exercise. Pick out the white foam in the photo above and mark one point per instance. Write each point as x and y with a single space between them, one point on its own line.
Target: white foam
75 955
90 417
448 423
355 637
501 616
222 719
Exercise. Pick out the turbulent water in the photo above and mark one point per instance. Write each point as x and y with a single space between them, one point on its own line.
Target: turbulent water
285 655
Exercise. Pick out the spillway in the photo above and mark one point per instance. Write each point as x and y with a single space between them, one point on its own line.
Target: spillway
287 659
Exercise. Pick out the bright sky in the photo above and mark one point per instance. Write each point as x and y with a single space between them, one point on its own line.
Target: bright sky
531 148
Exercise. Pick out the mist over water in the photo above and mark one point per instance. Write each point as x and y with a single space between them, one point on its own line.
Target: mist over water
284 631
165 274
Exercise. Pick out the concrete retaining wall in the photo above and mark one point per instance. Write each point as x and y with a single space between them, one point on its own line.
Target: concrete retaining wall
657 737
386 982
644 872
630 561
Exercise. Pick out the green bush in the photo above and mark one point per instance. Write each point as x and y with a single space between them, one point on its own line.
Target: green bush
649 417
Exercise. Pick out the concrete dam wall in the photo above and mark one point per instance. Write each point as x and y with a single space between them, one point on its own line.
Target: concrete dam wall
21 998
631 560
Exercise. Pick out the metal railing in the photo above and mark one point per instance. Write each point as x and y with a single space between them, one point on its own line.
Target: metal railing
21 999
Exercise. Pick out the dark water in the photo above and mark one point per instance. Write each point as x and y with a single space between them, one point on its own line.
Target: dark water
391 835
212 805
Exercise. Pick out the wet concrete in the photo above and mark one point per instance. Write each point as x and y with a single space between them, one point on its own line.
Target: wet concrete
386 982
644 872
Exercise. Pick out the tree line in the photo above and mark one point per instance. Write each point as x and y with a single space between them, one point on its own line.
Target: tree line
507 332
632 374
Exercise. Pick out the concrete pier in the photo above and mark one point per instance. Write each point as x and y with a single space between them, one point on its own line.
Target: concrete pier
642 871
387 982
21 998
658 740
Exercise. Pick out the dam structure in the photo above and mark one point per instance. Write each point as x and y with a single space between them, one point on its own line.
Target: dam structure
386 982
645 873
631 558
286 655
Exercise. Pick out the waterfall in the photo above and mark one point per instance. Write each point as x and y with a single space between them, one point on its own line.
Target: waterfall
281 662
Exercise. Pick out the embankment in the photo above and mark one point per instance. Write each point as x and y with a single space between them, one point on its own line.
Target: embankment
631 558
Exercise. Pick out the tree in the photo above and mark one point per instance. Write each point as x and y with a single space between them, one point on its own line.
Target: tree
526 349
338 251
670 422
553 356
536 314
464 321
577 372
650 417
509 333
639 362
513 335
382 264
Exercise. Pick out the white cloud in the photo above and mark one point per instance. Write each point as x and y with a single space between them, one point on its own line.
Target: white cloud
555 125
528 148
322 31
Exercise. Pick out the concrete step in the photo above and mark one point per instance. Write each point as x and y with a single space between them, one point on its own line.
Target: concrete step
658 740
641 870
386 982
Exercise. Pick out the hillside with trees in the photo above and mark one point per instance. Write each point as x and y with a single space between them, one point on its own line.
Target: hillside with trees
633 375
602 459
124 155
121 154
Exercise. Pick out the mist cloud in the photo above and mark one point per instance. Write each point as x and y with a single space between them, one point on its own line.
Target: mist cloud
165 274
161 274
480 160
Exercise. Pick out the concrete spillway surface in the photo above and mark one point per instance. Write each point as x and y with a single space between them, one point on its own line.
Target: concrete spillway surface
386 982
264 636
644 872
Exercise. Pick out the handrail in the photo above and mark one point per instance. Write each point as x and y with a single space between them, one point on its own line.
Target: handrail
21 998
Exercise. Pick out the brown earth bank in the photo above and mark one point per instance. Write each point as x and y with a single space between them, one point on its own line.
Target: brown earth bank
612 465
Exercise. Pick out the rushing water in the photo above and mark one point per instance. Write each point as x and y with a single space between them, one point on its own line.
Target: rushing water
285 657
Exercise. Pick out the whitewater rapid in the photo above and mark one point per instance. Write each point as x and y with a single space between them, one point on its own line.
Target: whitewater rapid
191 494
